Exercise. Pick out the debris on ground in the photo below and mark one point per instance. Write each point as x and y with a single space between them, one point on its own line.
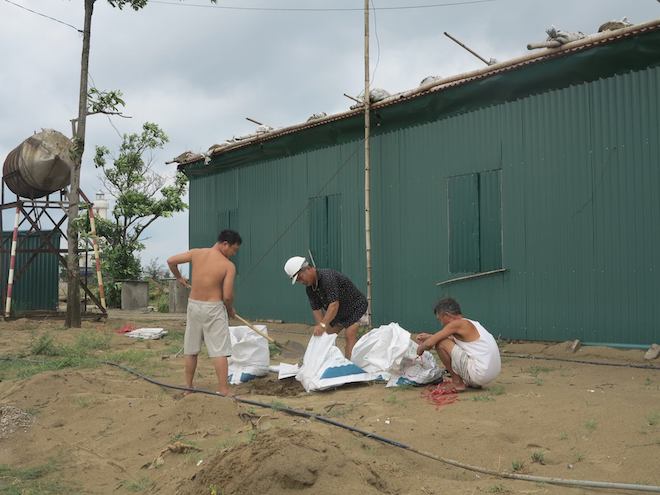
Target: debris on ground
440 395
175 448
147 333
13 419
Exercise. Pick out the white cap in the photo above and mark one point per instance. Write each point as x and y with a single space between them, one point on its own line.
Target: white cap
293 266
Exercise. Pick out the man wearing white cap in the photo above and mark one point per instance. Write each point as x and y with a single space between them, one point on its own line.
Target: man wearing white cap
336 302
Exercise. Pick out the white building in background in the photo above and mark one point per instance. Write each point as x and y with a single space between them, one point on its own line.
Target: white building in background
100 206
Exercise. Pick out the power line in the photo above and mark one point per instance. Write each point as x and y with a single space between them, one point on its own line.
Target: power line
309 9
373 75
44 15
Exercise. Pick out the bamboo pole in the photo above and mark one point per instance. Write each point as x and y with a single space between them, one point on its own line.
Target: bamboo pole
97 256
367 161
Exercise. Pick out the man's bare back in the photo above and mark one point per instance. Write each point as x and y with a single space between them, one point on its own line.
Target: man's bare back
209 269
212 273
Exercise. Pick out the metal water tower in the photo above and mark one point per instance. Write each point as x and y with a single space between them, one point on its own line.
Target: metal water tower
38 172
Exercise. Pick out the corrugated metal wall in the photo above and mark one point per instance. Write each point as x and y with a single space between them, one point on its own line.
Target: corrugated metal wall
277 200
575 170
37 287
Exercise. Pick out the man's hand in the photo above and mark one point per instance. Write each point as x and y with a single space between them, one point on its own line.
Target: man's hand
421 348
231 312
318 330
183 281
421 337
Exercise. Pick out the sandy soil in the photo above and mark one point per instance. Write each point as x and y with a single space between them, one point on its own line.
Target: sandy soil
103 430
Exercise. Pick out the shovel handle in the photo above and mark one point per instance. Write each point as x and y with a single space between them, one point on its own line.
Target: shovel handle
251 327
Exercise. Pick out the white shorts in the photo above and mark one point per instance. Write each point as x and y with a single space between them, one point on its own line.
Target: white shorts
207 321
460 363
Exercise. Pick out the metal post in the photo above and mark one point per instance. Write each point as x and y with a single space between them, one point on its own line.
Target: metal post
12 264
367 164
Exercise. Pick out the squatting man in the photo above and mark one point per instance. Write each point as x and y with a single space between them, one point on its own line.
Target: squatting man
467 350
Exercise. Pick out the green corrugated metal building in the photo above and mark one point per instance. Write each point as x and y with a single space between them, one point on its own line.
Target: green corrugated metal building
544 171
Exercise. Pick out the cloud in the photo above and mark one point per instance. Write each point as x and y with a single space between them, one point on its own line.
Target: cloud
198 72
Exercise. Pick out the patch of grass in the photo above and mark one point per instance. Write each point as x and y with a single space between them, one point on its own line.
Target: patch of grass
93 341
497 489
392 399
177 437
84 402
538 381
252 435
227 443
538 457
31 480
278 405
497 389
45 346
60 363
563 436
653 418
273 350
338 412
648 382
537 370
138 485
579 457
132 357
591 424
482 398
517 466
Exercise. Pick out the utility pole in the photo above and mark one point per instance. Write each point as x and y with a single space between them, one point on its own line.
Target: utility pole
367 164
73 276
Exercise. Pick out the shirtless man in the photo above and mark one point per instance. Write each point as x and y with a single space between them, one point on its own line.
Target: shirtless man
465 347
211 302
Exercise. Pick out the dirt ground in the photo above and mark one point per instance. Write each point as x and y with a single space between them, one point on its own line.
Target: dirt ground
72 425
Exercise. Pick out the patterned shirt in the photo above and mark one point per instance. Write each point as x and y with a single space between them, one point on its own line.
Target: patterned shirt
334 286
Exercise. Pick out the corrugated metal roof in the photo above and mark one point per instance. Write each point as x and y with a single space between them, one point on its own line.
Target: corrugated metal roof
444 84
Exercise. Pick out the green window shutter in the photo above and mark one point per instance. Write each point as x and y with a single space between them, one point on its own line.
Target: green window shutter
318 230
334 231
463 211
490 220
325 231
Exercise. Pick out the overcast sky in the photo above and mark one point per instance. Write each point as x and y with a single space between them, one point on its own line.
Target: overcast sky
199 70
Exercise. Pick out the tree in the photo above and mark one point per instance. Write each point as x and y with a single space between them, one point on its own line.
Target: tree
155 270
73 292
141 197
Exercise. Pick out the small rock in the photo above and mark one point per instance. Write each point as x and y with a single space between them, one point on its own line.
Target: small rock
652 353
573 345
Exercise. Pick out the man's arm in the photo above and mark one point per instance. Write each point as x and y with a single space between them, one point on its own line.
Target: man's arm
323 320
449 330
228 290
174 261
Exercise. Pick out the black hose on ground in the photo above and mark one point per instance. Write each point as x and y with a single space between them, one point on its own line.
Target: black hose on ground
367 434
580 361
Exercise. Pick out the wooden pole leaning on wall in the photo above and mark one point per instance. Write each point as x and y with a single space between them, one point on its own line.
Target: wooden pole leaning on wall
97 256
367 161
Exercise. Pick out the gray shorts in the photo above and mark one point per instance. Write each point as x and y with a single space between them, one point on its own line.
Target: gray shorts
207 321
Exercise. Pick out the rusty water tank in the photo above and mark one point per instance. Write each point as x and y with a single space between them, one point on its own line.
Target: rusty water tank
39 165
